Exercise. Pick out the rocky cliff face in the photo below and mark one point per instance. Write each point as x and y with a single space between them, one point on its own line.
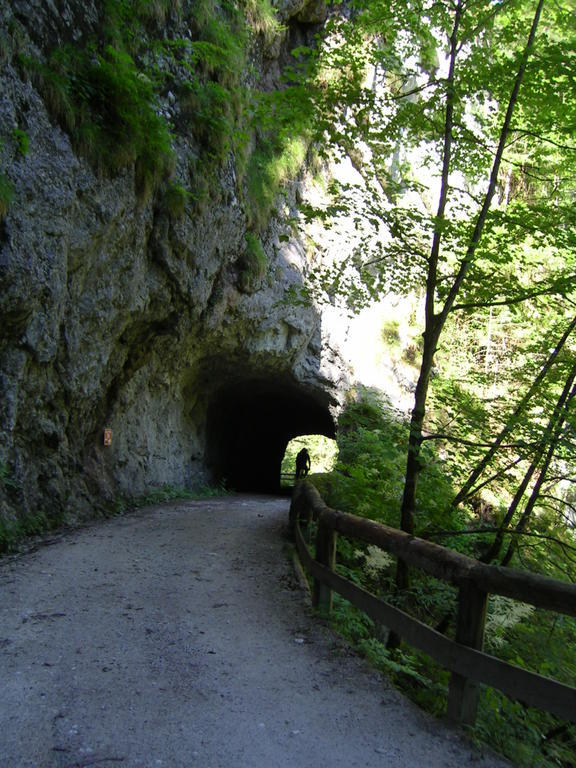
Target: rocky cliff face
118 312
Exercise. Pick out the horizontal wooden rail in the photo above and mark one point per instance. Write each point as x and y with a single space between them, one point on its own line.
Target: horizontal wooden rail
465 659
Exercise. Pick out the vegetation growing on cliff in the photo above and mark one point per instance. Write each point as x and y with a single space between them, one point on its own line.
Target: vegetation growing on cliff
107 94
125 94
6 194
108 106
252 264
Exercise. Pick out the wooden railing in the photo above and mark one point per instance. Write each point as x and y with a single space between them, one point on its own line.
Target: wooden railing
463 656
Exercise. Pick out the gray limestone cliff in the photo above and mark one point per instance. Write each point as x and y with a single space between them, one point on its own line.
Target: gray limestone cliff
119 313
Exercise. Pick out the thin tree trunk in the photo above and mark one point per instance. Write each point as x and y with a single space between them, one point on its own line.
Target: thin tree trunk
432 330
547 441
468 488
488 353
535 495
434 323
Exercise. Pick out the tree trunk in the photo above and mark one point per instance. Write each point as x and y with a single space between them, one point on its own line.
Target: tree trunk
468 488
547 441
434 323
535 495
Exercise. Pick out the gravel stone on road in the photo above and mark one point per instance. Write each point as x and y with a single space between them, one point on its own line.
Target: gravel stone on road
178 636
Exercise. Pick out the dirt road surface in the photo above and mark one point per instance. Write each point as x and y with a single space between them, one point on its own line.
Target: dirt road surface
177 636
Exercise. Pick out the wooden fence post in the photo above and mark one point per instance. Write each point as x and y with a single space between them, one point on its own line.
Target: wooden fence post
463 693
325 555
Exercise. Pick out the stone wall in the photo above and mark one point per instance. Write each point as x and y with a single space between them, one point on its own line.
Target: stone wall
112 311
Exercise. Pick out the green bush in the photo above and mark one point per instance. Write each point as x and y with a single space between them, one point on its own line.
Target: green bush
108 107
6 195
22 141
221 51
208 108
262 18
391 333
12 39
172 493
273 163
252 263
175 200
369 481
6 478
13 532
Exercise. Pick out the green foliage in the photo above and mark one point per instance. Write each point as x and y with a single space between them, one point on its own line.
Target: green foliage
495 265
175 200
22 141
350 622
491 240
262 18
322 452
282 120
13 532
369 478
106 95
252 264
208 105
6 477
531 739
156 10
108 106
6 194
368 481
12 39
391 333
221 52
275 161
412 672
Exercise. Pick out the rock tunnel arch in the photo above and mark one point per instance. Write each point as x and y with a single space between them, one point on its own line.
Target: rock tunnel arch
249 424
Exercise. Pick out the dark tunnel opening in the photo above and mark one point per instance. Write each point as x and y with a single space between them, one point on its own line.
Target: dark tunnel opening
249 426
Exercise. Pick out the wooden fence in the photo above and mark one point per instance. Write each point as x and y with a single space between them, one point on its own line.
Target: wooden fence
463 656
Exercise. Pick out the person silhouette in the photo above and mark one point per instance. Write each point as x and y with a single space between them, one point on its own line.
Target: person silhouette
302 463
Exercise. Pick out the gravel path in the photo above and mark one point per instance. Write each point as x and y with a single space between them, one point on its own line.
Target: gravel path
177 636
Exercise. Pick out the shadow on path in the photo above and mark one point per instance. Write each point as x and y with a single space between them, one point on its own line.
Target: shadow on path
177 636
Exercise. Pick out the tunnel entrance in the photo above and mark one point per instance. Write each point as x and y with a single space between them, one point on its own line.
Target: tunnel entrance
249 425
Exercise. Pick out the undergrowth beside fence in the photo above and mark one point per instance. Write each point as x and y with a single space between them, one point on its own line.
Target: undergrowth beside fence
367 481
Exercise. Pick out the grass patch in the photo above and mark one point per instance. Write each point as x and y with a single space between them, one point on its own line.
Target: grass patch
391 333
107 106
123 503
175 200
207 107
22 141
271 166
262 18
108 96
14 532
252 263
6 195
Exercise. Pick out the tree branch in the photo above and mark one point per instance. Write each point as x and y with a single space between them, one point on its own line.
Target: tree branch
545 139
473 443
510 423
507 532
507 302
504 133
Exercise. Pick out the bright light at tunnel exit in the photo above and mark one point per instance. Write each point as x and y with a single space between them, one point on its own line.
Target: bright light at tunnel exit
323 453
